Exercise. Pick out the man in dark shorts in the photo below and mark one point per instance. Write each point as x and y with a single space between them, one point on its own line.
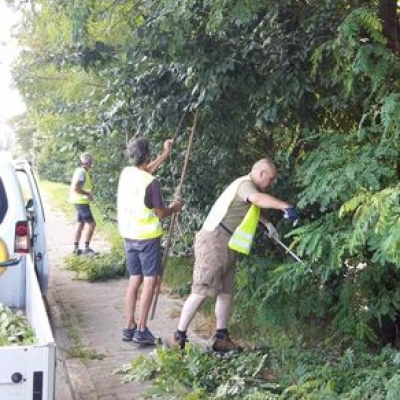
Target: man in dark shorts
140 208
81 194
229 228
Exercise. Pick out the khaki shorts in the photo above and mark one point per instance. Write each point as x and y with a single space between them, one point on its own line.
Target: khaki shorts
214 267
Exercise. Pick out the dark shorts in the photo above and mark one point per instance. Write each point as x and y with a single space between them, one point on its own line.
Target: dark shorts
143 257
214 267
84 213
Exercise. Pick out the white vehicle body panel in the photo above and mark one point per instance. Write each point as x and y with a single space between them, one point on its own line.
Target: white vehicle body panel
26 372
34 365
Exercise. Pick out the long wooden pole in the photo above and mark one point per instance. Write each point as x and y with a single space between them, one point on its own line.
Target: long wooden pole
177 195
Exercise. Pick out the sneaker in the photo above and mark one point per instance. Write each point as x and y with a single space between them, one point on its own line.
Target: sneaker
149 334
178 341
144 337
224 344
89 252
127 334
77 252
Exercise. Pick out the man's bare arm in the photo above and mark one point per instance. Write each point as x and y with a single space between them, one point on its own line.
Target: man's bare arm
264 200
176 206
153 165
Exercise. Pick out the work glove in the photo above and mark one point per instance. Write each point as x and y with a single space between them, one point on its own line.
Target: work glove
291 214
271 230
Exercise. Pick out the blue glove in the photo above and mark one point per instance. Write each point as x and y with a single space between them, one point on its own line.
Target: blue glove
291 214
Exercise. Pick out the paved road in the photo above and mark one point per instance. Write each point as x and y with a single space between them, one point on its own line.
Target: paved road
87 320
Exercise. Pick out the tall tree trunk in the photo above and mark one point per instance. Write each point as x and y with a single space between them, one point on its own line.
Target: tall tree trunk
390 21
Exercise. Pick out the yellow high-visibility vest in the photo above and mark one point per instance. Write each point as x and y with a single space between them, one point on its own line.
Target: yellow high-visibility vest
135 220
242 238
79 198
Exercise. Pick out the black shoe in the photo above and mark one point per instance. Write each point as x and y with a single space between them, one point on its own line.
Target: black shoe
178 341
127 334
144 337
89 252
77 252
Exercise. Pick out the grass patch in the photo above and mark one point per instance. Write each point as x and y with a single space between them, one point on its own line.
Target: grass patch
58 192
83 353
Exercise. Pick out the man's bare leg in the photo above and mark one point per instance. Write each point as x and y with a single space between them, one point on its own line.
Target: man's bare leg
222 310
192 304
131 296
146 298
78 231
90 227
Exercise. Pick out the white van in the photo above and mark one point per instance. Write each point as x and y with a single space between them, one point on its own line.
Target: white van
26 372
22 225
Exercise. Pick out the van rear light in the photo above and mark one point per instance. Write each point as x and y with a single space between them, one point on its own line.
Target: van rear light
21 244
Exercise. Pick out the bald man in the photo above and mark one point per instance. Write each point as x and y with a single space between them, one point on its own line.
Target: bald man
214 269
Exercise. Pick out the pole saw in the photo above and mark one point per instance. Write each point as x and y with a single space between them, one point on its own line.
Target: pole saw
294 255
177 195
276 239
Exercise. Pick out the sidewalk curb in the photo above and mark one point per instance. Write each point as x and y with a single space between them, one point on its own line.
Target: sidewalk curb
78 378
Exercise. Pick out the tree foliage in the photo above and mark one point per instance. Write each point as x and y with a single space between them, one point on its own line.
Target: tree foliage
312 84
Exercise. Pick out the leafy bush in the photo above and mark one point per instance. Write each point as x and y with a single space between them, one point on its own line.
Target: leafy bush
290 373
14 328
101 267
199 375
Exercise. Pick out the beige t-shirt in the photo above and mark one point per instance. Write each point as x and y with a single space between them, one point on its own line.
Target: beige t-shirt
239 206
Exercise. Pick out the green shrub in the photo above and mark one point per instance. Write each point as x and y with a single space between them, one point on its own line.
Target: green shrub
101 267
292 372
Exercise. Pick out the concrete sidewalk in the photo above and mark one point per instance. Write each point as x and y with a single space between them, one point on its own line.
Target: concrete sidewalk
87 321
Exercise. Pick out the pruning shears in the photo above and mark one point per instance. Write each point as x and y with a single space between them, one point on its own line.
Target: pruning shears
294 255
273 234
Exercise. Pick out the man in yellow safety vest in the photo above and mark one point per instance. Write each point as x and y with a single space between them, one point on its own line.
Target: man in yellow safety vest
140 208
81 194
229 228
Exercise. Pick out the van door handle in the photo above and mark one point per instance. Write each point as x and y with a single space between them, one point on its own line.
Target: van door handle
11 262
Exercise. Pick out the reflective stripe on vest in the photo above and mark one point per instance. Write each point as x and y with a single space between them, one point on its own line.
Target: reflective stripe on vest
79 198
242 238
135 220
